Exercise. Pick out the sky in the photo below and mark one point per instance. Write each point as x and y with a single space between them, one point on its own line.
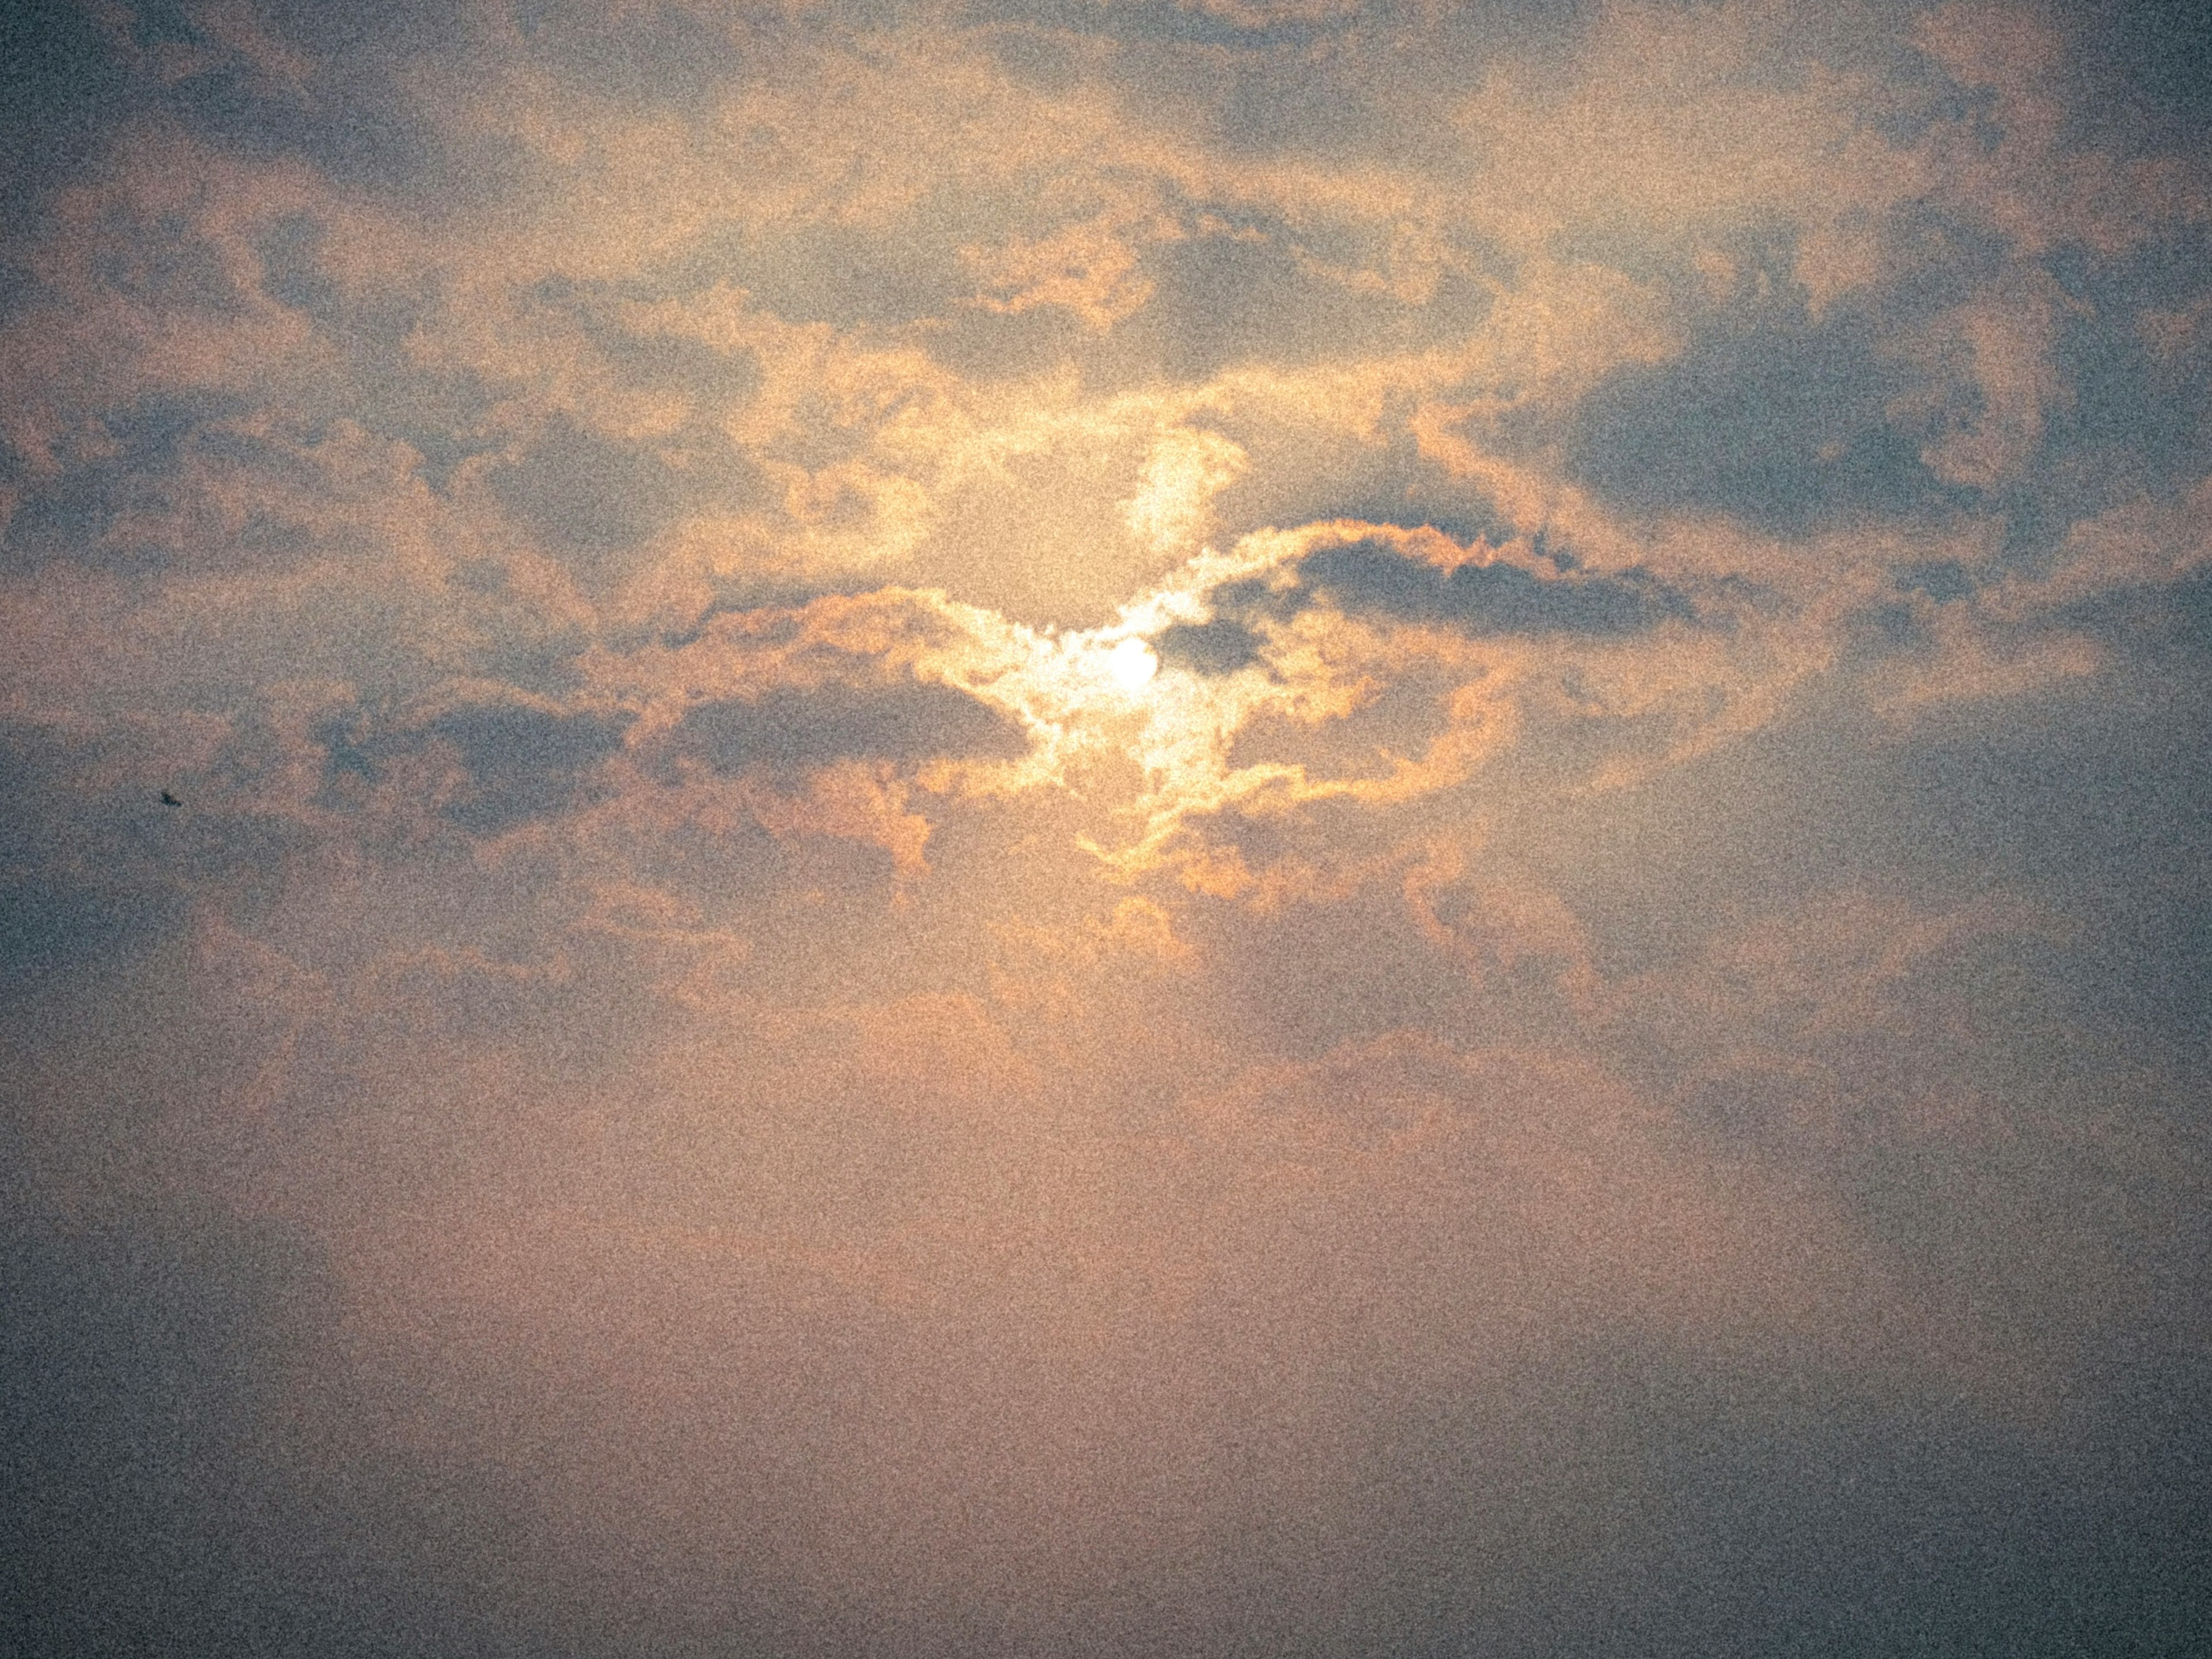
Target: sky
1102 828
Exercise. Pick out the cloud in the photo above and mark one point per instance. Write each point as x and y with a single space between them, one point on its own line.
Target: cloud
1185 471
1219 647
799 729
2007 351
1774 417
1089 268
1601 1057
1486 598
486 767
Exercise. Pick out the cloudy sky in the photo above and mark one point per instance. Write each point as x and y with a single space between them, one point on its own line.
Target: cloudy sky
1105 828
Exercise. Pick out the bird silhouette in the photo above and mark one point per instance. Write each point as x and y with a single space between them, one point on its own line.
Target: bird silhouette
168 799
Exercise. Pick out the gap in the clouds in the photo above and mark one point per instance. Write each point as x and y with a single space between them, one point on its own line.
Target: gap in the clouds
1942 579
2164 630
349 94
350 118
1302 103
18 288
1037 50
587 499
990 348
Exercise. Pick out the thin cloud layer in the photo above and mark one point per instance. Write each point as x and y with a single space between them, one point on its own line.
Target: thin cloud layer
1313 829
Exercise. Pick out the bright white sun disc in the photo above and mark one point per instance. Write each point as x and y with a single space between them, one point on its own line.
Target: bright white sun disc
1131 663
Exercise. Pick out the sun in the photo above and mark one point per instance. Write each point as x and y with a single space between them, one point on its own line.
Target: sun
1131 664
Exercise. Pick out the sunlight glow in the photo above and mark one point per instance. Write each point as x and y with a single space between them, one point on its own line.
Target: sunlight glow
1132 663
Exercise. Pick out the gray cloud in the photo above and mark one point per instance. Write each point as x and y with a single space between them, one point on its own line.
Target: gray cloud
1498 598
511 762
1610 1060
1782 423
791 730
1221 646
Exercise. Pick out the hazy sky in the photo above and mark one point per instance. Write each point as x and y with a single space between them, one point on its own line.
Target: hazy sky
1105 829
